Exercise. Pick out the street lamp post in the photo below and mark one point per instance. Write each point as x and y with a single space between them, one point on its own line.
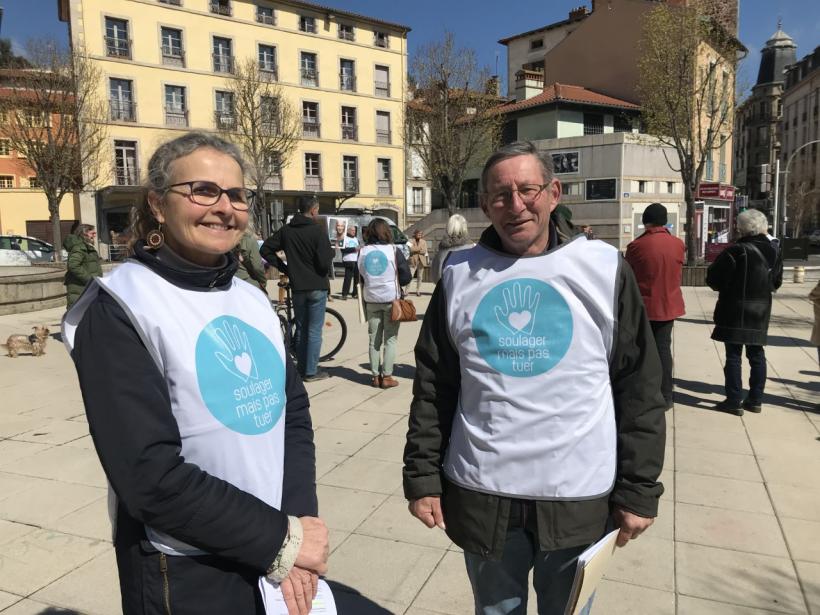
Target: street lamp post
786 181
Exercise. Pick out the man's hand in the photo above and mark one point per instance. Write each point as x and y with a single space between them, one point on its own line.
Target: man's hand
630 524
313 553
428 511
299 589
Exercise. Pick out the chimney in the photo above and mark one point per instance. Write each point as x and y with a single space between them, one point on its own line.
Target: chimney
493 86
581 11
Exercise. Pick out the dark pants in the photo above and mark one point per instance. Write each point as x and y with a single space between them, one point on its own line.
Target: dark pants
351 275
662 330
309 311
732 375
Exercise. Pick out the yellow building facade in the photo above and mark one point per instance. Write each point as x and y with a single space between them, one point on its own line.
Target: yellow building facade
165 64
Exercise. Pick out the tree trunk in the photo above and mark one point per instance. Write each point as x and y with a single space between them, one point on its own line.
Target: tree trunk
691 231
54 211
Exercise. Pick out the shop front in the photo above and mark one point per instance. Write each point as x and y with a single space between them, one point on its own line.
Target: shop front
714 218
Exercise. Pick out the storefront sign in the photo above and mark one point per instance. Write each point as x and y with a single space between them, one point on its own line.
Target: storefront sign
723 192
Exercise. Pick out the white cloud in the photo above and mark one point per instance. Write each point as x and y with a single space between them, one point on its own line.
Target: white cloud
17 48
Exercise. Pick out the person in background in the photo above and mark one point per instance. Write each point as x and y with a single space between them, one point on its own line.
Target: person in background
83 263
251 268
418 258
384 272
745 275
457 238
656 258
814 296
350 257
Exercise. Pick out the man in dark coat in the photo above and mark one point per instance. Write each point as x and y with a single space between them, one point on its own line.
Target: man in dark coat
656 258
745 274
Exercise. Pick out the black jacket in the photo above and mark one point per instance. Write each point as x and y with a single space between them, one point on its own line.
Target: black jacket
138 442
308 251
477 522
745 278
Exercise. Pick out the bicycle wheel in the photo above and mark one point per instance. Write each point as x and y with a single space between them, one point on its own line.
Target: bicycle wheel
334 334
287 334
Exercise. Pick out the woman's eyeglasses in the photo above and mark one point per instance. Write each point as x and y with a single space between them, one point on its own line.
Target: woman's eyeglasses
208 193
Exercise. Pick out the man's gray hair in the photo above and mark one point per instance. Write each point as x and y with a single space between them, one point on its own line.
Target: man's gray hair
752 222
457 227
512 150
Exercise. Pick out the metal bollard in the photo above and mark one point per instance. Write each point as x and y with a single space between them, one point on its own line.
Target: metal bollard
799 275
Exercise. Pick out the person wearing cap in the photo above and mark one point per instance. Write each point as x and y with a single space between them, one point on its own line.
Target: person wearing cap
656 258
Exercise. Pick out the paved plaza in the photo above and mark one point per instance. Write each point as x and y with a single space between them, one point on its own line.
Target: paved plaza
738 531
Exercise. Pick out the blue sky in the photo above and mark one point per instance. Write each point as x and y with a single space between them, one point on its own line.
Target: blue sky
480 23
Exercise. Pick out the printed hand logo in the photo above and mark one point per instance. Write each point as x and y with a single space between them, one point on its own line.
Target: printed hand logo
235 352
520 306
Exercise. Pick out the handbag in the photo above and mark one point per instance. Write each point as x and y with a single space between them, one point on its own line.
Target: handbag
401 309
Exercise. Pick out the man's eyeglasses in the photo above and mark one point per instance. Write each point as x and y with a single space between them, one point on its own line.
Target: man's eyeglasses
208 193
528 193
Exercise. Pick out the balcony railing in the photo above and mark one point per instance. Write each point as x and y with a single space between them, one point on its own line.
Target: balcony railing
347 82
382 88
176 117
310 128
313 182
384 187
268 72
350 184
381 41
709 170
274 182
722 172
123 110
350 132
223 63
221 8
270 126
126 175
116 47
224 120
310 76
173 56
266 19
383 136
593 129
347 35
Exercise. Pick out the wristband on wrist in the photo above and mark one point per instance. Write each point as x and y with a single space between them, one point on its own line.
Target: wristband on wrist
286 558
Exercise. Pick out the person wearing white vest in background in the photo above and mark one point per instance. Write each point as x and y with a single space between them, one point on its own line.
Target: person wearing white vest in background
384 271
350 256
537 414
197 413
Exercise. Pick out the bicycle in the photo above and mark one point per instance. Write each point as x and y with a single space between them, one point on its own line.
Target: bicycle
334 332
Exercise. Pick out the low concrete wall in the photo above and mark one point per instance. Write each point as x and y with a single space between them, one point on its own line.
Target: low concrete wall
38 289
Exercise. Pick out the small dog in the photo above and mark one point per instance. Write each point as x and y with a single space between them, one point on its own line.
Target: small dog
34 343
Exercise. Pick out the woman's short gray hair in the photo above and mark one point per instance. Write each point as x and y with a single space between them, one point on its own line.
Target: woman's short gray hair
752 222
517 148
457 227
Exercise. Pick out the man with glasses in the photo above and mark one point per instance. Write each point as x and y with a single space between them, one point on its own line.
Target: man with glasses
309 259
537 414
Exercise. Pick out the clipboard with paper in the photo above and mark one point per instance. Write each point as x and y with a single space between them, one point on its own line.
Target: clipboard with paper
323 604
589 570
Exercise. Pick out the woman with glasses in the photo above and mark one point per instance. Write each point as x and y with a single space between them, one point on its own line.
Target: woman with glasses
197 413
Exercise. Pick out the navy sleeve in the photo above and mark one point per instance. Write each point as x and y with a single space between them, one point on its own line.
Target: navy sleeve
403 269
299 486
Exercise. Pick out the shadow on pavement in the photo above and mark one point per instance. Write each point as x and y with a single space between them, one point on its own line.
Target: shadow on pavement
781 340
694 321
351 602
53 610
769 399
351 375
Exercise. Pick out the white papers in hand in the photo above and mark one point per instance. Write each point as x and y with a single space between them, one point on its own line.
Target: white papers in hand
323 604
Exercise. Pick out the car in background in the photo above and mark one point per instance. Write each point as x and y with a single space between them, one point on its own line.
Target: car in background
35 250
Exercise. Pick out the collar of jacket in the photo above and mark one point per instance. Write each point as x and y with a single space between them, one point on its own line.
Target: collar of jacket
185 274
301 220
560 231
654 230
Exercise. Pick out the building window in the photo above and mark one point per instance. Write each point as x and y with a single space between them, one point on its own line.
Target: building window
310 76
600 189
176 109
6 181
121 100
593 124
265 14
222 55
273 167
117 44
382 81
349 128
221 7
269 112
418 201
380 39
171 2
350 174
267 62
537 43
33 182
224 115
313 172
5 147
572 189
670 187
307 24
126 172
310 120
642 186
384 184
172 52
347 32
621 123
383 127
347 75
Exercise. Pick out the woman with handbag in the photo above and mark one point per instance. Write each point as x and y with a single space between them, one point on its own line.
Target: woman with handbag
384 271
418 259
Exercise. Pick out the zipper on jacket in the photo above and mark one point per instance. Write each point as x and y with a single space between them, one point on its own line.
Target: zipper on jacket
166 589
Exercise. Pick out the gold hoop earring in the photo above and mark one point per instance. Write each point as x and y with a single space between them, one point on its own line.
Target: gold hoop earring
155 239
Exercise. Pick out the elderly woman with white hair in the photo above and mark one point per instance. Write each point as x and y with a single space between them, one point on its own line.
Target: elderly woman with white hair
745 274
457 238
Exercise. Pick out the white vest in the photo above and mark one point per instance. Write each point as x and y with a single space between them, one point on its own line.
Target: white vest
377 265
350 257
222 357
535 417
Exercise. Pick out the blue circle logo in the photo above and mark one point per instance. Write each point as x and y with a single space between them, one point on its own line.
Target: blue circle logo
375 263
523 327
241 376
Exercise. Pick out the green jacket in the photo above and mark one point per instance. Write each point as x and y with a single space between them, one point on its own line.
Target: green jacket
251 268
83 265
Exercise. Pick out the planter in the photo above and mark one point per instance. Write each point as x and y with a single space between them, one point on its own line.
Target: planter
694 276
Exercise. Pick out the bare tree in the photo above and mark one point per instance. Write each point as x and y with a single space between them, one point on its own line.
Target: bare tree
55 120
803 200
450 122
687 73
263 123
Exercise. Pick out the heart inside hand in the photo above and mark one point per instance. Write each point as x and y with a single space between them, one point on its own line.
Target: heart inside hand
243 363
519 320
